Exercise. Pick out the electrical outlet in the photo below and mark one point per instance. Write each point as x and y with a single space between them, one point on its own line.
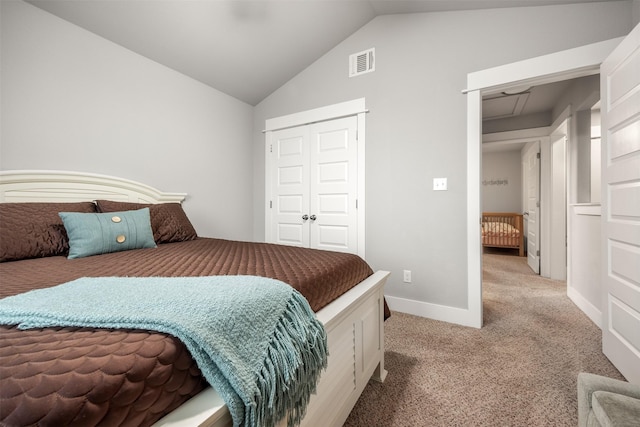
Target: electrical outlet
406 276
439 184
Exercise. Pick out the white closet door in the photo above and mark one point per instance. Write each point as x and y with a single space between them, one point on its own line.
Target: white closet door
620 89
290 186
334 185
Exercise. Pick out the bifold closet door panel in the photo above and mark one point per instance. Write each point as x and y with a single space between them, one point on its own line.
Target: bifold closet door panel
289 179
334 185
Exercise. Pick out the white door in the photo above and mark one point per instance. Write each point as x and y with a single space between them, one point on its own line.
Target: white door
289 151
313 194
620 92
532 214
333 185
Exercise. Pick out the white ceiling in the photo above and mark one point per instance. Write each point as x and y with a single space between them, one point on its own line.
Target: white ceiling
244 48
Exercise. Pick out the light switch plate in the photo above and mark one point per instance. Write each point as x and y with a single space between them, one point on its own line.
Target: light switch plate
406 276
439 184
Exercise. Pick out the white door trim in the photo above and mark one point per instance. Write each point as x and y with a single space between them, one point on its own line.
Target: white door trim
474 210
329 112
558 241
567 64
578 62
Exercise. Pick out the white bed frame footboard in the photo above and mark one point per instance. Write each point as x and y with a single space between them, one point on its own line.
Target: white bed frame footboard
354 322
355 330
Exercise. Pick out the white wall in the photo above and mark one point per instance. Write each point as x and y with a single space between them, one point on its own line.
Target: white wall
596 156
72 100
416 129
584 286
502 181
578 100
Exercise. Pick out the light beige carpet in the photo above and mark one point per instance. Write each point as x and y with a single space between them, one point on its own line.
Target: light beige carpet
520 369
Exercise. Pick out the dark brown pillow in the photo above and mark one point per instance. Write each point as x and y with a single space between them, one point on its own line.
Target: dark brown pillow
34 230
169 221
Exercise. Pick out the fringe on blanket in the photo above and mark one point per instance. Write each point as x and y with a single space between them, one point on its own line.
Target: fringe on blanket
290 372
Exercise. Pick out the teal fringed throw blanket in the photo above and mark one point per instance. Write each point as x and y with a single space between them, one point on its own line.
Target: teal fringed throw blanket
256 340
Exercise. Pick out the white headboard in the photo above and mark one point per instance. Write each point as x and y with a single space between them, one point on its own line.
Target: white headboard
61 186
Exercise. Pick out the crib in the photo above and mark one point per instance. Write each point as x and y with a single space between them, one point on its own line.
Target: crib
503 230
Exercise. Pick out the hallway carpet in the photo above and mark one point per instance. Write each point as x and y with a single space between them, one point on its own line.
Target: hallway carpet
520 369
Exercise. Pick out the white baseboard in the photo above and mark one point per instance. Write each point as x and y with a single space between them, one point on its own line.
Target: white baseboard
459 316
587 308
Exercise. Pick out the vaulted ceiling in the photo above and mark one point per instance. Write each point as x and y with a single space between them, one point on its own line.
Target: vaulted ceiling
244 48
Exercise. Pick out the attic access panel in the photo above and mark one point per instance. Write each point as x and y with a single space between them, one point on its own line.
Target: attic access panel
504 106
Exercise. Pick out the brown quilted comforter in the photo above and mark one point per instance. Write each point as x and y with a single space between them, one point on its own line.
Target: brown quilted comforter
87 377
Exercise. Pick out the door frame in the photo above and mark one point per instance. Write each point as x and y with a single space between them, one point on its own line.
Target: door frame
356 107
578 62
558 200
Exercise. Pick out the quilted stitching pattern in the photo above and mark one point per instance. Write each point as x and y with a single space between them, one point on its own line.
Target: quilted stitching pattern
32 230
90 377
168 220
84 377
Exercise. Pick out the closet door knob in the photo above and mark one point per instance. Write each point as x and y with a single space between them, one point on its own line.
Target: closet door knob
312 217
305 217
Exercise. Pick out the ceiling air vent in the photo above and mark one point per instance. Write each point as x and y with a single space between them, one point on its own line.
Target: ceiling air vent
362 62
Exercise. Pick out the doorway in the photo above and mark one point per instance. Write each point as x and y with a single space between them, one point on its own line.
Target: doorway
578 62
523 151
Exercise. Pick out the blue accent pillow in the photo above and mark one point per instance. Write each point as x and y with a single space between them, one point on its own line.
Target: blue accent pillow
101 233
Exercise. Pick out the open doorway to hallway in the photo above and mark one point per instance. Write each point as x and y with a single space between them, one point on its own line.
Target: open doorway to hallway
537 160
618 168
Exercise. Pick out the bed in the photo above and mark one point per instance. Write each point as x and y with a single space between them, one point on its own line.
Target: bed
503 230
345 293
